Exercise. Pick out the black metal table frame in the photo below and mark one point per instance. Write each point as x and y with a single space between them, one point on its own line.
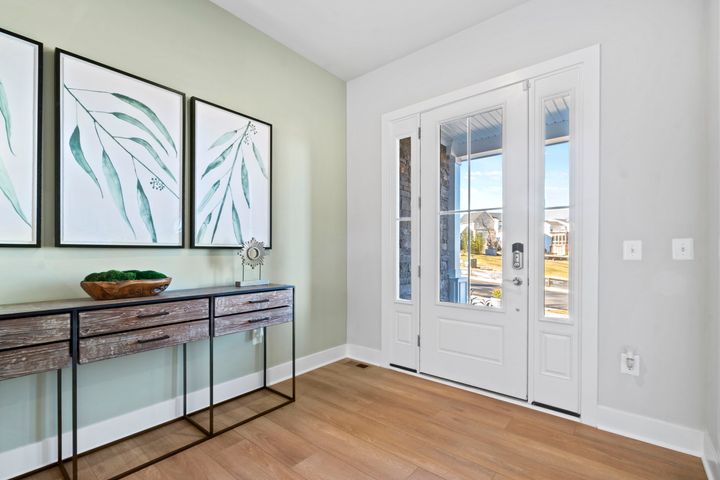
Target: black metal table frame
186 416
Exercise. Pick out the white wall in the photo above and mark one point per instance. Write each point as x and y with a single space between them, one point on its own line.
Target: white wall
653 177
713 405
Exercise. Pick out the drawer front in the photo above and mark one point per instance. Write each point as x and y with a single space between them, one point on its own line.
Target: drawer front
111 320
127 343
251 320
41 358
23 332
251 302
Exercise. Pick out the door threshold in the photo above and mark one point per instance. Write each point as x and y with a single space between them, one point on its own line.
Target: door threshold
474 388
408 369
556 409
488 393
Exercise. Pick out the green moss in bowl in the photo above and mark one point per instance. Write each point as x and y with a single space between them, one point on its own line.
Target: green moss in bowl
121 276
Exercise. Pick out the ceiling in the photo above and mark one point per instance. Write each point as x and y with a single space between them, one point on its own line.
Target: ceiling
350 38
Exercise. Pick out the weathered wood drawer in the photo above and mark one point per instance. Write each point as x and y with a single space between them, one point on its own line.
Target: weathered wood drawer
120 319
127 343
23 332
40 358
248 321
251 302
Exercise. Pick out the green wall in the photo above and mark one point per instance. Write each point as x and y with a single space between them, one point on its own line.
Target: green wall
197 48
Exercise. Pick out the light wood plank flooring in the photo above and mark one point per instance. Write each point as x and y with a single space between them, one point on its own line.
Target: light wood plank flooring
373 423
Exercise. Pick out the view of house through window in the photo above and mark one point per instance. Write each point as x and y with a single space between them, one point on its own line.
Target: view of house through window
471 210
556 228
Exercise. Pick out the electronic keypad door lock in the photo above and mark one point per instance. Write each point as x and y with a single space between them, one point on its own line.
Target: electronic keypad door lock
517 256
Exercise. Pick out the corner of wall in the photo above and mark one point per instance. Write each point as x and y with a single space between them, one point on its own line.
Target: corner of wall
711 459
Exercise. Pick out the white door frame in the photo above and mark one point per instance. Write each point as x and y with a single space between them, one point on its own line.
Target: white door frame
587 61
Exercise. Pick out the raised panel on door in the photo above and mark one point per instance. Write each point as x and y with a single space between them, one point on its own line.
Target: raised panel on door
468 339
556 355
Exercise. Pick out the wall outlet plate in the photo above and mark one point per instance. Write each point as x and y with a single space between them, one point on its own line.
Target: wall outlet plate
630 364
632 250
257 336
683 249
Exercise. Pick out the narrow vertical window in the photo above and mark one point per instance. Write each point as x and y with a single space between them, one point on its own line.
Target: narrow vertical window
556 227
403 219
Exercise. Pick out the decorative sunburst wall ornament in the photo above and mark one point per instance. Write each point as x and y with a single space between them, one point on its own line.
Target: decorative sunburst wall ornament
252 255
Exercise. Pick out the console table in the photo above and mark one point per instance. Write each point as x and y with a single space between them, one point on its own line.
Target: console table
47 336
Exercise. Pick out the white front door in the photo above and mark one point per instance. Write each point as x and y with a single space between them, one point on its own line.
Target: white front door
474 241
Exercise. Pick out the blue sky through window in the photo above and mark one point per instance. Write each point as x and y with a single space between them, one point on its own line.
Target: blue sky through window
486 179
557 175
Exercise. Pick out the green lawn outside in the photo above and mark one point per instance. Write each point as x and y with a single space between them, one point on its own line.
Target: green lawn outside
553 268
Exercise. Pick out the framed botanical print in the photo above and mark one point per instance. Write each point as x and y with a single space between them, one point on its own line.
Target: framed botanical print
231 177
120 157
20 140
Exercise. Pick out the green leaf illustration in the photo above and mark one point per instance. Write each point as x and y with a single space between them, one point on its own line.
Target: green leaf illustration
227 190
113 182
236 225
223 138
7 188
218 161
209 195
218 218
5 112
143 143
145 212
150 114
245 182
203 228
137 123
259 159
79 156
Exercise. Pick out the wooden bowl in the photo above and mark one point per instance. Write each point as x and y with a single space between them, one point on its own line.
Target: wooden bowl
125 289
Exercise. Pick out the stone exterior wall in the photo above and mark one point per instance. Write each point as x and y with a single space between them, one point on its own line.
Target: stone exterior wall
404 227
448 241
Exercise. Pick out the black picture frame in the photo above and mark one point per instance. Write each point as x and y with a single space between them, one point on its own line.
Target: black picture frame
59 154
193 181
39 154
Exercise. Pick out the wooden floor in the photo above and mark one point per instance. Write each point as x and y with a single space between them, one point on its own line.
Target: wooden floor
372 423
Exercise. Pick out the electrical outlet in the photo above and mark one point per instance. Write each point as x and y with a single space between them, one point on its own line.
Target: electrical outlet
257 336
630 364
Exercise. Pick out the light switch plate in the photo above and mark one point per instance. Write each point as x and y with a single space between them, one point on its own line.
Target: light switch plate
630 364
632 250
683 249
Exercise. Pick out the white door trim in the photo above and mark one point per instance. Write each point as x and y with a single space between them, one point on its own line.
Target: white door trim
587 61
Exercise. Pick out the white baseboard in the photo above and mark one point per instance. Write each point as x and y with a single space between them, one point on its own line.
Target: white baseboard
651 430
711 459
30 457
364 354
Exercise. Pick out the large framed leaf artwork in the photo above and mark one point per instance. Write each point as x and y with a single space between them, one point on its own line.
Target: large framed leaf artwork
120 157
231 177
20 140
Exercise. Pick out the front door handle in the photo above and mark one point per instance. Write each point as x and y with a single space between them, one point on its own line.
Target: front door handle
517 281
